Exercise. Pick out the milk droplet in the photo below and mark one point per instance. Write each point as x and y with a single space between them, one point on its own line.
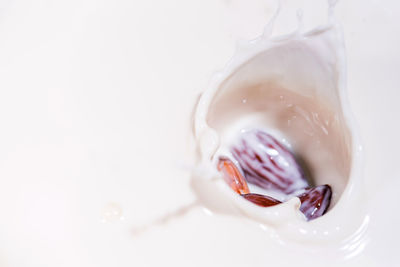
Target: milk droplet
111 212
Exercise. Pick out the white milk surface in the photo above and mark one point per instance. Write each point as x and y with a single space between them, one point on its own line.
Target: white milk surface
96 150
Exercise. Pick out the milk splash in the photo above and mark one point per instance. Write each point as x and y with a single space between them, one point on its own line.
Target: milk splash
295 86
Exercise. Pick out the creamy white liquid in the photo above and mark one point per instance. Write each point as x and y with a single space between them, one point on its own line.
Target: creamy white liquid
293 85
95 103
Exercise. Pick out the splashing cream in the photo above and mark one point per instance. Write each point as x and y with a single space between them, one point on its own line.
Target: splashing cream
293 86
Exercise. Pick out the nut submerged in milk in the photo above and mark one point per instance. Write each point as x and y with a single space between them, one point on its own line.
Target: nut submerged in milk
267 163
278 117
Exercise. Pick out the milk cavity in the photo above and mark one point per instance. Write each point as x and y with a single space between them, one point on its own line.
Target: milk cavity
293 87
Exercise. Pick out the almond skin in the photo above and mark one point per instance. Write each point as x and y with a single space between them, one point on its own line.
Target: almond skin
267 163
315 201
232 176
261 200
